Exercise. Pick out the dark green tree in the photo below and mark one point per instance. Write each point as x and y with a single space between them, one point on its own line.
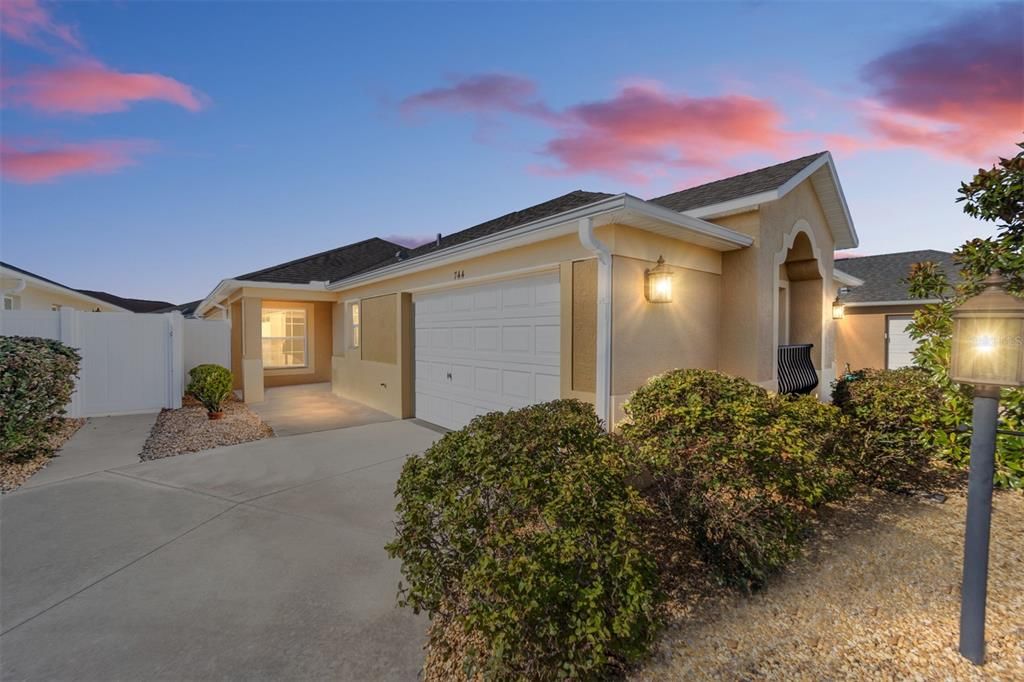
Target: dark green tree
993 195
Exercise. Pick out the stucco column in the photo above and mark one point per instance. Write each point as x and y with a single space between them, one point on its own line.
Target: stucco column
252 350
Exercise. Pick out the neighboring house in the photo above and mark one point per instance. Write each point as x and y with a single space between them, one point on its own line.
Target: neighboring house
24 290
554 300
873 331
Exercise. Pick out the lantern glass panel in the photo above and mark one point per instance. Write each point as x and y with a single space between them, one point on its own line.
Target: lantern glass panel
988 350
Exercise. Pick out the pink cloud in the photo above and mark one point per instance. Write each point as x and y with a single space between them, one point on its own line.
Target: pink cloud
90 87
27 22
35 163
482 93
641 130
957 90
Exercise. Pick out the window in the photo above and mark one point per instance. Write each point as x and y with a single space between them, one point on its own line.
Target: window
355 325
12 302
284 338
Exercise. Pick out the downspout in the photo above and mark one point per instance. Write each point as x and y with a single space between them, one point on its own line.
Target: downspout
602 398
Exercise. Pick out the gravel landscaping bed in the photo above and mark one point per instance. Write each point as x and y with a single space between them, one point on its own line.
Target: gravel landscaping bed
877 596
15 470
188 429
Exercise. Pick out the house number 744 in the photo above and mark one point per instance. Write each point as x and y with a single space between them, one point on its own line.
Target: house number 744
459 274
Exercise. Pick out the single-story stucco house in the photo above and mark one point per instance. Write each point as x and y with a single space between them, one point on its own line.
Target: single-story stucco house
876 311
24 290
562 299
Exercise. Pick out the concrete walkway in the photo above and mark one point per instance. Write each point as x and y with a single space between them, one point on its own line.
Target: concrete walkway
308 408
102 443
260 561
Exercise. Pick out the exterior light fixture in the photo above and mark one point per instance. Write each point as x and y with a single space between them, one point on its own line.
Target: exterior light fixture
988 353
658 283
838 309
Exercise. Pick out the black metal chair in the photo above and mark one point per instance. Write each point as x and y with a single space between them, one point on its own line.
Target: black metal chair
796 371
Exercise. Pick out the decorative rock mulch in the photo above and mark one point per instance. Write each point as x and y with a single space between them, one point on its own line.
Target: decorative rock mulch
876 597
15 470
188 429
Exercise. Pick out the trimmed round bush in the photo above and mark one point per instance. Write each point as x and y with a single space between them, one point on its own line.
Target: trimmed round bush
888 410
37 378
738 469
211 385
521 529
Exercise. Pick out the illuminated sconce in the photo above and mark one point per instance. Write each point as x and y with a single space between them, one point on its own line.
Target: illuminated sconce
838 309
988 338
658 283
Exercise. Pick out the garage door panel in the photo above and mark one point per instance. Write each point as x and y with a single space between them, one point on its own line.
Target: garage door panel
900 346
498 345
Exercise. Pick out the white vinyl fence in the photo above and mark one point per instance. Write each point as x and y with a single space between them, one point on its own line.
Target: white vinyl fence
131 363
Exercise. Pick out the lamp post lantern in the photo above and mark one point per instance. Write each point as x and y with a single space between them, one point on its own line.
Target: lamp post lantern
988 353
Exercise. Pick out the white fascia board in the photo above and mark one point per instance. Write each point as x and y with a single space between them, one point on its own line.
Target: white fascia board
227 286
59 289
875 304
846 278
751 202
553 226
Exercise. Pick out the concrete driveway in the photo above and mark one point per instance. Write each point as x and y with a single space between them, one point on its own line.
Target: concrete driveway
258 561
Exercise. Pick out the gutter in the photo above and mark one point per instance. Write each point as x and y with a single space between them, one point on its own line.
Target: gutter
602 388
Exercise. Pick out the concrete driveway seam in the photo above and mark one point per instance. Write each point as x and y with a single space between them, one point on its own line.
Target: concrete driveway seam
118 570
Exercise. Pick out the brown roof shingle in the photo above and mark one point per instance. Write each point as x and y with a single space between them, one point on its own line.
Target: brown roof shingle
884 275
328 265
737 186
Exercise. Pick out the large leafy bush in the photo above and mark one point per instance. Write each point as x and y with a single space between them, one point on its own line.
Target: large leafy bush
739 469
994 195
211 385
521 529
37 378
889 410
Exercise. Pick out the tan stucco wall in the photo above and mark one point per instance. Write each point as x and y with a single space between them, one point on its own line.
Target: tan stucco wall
584 326
380 323
860 335
33 297
650 338
236 344
750 287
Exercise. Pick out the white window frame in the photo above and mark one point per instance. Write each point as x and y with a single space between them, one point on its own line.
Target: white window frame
355 319
12 302
305 338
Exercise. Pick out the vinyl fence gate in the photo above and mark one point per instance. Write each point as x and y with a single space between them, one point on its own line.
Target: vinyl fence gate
131 363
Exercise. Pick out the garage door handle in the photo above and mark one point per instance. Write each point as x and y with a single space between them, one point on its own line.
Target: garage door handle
449 376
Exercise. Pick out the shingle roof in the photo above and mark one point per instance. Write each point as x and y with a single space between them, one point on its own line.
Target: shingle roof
566 202
136 305
184 308
884 274
737 186
331 265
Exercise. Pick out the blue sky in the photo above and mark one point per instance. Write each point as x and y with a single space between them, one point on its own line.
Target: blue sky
262 132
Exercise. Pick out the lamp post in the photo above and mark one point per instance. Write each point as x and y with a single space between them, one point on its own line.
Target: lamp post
988 353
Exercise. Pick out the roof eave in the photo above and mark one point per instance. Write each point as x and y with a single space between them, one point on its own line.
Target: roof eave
60 288
844 235
228 286
674 224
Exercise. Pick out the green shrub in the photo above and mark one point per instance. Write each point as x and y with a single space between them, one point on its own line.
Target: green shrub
37 378
210 385
740 470
521 528
889 412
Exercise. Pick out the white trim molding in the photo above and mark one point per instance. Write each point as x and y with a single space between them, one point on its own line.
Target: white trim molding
845 278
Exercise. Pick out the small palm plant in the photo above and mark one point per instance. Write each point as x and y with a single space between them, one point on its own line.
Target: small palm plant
210 385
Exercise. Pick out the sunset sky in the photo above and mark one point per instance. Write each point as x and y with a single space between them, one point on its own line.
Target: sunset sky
152 148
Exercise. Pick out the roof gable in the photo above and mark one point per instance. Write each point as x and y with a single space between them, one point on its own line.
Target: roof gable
747 191
884 275
737 186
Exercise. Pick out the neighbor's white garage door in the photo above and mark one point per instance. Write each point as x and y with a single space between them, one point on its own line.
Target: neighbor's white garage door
900 345
488 347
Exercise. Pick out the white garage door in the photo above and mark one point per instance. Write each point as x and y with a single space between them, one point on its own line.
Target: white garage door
901 346
488 347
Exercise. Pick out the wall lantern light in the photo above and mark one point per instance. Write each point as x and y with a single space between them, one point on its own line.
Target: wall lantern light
838 309
988 353
658 283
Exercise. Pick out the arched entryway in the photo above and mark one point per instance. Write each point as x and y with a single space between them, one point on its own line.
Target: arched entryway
800 295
